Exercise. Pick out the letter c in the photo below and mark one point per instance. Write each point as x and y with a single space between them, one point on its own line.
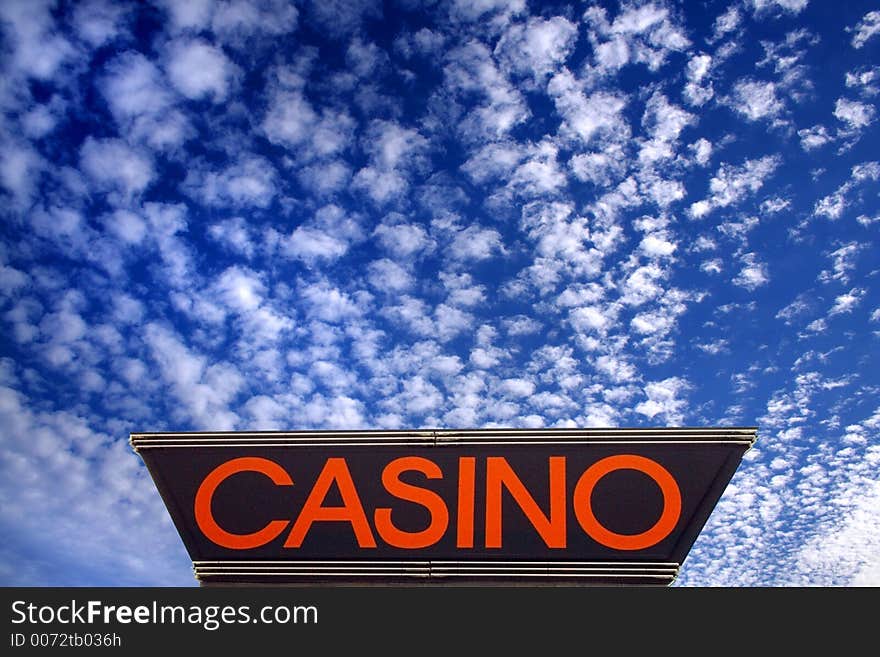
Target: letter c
583 507
205 519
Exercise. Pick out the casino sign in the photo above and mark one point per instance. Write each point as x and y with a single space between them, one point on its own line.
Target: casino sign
493 506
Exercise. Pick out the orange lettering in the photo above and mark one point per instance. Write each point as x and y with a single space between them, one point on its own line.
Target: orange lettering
351 511
427 498
498 473
583 508
467 466
205 518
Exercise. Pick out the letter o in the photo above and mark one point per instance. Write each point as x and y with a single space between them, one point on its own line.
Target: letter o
583 507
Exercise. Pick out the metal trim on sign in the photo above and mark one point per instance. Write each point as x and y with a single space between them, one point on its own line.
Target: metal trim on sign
745 436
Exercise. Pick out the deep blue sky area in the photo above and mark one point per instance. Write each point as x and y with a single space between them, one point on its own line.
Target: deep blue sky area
261 214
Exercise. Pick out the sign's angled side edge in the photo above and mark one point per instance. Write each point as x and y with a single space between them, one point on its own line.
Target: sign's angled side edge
164 490
709 502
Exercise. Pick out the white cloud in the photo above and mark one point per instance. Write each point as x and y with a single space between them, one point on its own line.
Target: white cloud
517 387
337 412
328 303
866 171
846 302
236 21
462 290
475 243
418 397
703 243
656 325
843 263
589 318
698 90
133 86
381 186
325 178
602 168
365 59
664 123
290 118
641 33
105 486
241 289
235 234
702 149
312 245
485 358
292 121
521 325
831 206
493 160
403 240
732 184
664 399
326 237
727 22
194 14
141 103
753 273
395 152
425 42
864 79
714 348
165 222
855 114
114 166
37 49
562 237
700 209
388 276
756 100
127 226
539 174
392 146
42 119
792 6
449 322
643 284
11 279
738 230
868 27
250 182
845 547
536 47
656 245
616 368
205 390
471 72
588 117
338 18
197 70
98 21
815 137
20 167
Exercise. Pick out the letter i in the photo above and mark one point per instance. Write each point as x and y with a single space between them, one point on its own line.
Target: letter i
466 474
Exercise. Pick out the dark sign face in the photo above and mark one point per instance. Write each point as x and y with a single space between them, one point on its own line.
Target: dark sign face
587 506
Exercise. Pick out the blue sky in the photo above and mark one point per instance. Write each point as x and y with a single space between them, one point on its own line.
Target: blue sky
252 215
